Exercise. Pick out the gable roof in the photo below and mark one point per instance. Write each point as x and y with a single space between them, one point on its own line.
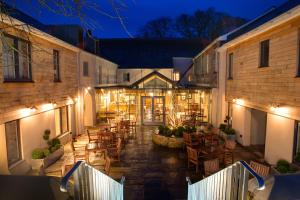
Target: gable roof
135 84
262 19
148 53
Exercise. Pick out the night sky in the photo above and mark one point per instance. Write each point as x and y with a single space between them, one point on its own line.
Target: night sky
138 12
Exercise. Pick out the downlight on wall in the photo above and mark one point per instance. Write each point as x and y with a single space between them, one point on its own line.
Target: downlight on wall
240 102
279 110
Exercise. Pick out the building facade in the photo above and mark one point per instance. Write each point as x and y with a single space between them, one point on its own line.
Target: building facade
262 86
38 87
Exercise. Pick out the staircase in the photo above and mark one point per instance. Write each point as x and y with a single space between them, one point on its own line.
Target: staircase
91 184
230 183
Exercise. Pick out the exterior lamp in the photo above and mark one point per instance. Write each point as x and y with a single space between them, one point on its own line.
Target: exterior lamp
33 109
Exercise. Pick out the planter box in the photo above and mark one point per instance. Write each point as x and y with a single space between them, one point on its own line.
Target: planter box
275 171
226 136
170 142
36 164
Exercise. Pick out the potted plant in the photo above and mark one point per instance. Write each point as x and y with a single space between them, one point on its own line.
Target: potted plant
230 133
46 156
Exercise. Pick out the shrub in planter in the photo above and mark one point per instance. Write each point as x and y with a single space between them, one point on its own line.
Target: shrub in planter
284 167
229 131
222 127
179 131
165 131
38 154
297 158
190 129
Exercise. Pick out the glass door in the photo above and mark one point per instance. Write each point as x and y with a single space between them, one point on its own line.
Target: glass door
153 110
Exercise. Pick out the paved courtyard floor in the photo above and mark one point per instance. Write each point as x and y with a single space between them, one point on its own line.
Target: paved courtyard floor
154 172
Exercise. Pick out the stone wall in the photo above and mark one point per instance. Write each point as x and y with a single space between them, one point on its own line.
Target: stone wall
276 84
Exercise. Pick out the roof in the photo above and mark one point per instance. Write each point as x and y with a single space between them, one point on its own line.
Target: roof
152 74
262 19
148 53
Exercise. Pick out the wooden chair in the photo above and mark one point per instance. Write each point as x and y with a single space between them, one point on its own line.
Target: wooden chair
93 137
211 167
79 152
230 145
260 169
193 157
228 158
187 138
115 152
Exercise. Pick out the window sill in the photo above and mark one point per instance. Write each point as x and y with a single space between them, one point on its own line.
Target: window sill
57 81
18 81
263 66
230 78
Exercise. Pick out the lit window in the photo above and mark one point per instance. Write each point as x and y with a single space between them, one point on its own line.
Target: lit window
190 78
176 76
64 119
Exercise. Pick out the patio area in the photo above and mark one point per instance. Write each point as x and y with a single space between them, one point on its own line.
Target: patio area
151 171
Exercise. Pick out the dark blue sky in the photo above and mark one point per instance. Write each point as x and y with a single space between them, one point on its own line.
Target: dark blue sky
138 12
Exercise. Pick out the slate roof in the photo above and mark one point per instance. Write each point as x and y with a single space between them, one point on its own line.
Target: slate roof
148 53
264 18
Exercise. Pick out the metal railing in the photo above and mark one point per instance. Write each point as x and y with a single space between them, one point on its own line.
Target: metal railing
90 184
230 183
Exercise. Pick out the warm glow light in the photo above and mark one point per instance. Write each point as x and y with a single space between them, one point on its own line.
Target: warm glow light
70 101
233 100
151 94
88 88
25 112
240 102
280 110
47 106
169 92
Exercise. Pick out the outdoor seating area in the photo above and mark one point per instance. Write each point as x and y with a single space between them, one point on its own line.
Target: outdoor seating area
209 152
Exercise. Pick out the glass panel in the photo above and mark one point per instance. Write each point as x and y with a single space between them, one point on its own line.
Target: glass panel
147 109
24 72
56 65
298 139
12 142
8 58
158 115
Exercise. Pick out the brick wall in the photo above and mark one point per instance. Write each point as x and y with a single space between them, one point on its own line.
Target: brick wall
43 89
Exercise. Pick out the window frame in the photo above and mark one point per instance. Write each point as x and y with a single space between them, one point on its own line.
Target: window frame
230 66
19 145
264 63
85 70
16 60
298 55
126 77
56 66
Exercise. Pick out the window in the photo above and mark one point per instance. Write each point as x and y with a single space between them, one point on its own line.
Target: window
176 76
16 59
85 69
264 54
12 133
126 77
190 78
64 124
297 140
230 66
56 65
298 68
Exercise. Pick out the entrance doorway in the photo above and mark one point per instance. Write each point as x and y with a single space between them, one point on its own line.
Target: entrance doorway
153 110
258 130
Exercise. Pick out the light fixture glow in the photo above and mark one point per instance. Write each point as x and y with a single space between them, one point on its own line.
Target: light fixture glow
169 92
47 106
240 102
88 88
151 94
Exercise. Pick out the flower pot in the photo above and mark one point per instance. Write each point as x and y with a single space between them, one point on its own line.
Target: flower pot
36 163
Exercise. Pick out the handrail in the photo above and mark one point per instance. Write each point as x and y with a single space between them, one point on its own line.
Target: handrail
65 179
259 179
122 180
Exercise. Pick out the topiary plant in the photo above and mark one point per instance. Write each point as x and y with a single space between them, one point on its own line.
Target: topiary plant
46 135
37 154
46 152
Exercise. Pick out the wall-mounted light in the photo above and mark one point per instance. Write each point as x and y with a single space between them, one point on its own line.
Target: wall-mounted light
279 110
240 102
47 106
70 101
169 92
151 94
88 88
33 109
